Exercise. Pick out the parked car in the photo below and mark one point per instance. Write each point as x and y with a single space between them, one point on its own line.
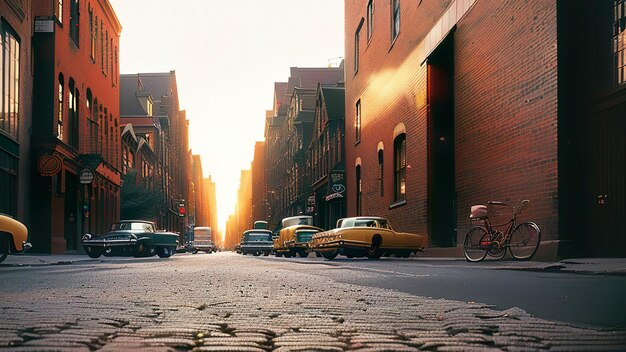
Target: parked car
202 240
370 237
131 237
294 236
257 242
13 236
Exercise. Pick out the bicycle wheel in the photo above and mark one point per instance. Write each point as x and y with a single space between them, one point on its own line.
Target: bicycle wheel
525 240
472 248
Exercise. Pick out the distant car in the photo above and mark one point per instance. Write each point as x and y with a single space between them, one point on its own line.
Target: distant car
257 242
131 237
294 236
13 236
202 241
370 237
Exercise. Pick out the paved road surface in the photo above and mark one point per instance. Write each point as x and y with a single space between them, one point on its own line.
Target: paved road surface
229 302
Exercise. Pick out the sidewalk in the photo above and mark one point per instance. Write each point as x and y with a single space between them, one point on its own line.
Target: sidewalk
588 266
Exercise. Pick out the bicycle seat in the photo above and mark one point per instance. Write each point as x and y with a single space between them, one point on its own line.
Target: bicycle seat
478 212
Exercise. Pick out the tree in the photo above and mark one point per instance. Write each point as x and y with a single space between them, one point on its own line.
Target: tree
137 201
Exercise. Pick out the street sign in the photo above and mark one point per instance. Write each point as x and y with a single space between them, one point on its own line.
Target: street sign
86 176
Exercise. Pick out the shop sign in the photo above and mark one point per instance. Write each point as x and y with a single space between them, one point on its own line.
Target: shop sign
49 165
85 176
336 185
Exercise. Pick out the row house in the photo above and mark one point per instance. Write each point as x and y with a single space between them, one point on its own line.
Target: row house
76 128
16 87
325 158
288 135
150 102
141 174
458 102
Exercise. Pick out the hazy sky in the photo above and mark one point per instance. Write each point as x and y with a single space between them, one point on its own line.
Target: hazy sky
227 56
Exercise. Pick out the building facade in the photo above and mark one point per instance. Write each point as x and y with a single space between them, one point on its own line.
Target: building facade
325 159
258 172
288 135
150 102
76 128
16 87
465 101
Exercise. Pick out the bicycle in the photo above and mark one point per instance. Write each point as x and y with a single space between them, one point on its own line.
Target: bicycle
521 240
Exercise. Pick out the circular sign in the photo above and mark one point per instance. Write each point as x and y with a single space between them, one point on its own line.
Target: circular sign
49 165
86 176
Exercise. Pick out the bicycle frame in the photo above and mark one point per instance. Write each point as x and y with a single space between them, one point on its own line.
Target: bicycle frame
502 238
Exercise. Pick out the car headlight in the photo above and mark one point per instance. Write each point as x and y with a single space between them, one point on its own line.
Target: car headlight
86 237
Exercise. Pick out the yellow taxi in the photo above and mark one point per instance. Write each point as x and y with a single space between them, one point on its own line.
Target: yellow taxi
13 236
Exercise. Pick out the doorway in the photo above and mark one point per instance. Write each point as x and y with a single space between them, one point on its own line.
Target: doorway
442 212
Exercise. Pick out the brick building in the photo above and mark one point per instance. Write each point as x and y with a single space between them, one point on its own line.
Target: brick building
288 135
459 102
150 102
16 86
259 204
325 160
76 129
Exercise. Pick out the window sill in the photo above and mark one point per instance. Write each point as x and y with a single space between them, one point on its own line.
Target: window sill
397 204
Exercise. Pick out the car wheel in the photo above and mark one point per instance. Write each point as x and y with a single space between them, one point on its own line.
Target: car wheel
374 251
164 252
303 254
94 252
330 255
4 247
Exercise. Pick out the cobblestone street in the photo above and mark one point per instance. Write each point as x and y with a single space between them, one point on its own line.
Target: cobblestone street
225 302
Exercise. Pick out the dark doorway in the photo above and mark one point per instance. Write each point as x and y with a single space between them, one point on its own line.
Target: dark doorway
71 213
441 177
607 186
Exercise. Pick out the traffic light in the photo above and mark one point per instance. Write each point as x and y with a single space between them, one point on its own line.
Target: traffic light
181 209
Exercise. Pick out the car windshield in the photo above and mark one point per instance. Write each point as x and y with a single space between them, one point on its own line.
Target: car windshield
132 226
257 237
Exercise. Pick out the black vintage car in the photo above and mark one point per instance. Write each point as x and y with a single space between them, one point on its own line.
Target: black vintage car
256 242
131 237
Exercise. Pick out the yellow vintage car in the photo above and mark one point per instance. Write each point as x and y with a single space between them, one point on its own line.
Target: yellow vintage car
363 236
294 236
13 236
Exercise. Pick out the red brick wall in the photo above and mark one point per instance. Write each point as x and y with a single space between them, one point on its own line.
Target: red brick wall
505 107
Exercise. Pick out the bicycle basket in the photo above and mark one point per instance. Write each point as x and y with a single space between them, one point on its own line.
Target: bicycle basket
478 212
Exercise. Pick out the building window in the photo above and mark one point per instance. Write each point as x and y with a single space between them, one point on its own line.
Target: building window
381 172
58 10
357 41
399 151
74 20
395 19
619 40
370 19
92 36
106 54
358 190
101 46
95 39
60 109
10 80
73 114
357 123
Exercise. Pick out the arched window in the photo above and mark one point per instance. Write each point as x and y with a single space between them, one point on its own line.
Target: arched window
358 190
399 156
73 114
60 108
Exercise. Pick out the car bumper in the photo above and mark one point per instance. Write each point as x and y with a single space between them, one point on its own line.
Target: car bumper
112 243
253 248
